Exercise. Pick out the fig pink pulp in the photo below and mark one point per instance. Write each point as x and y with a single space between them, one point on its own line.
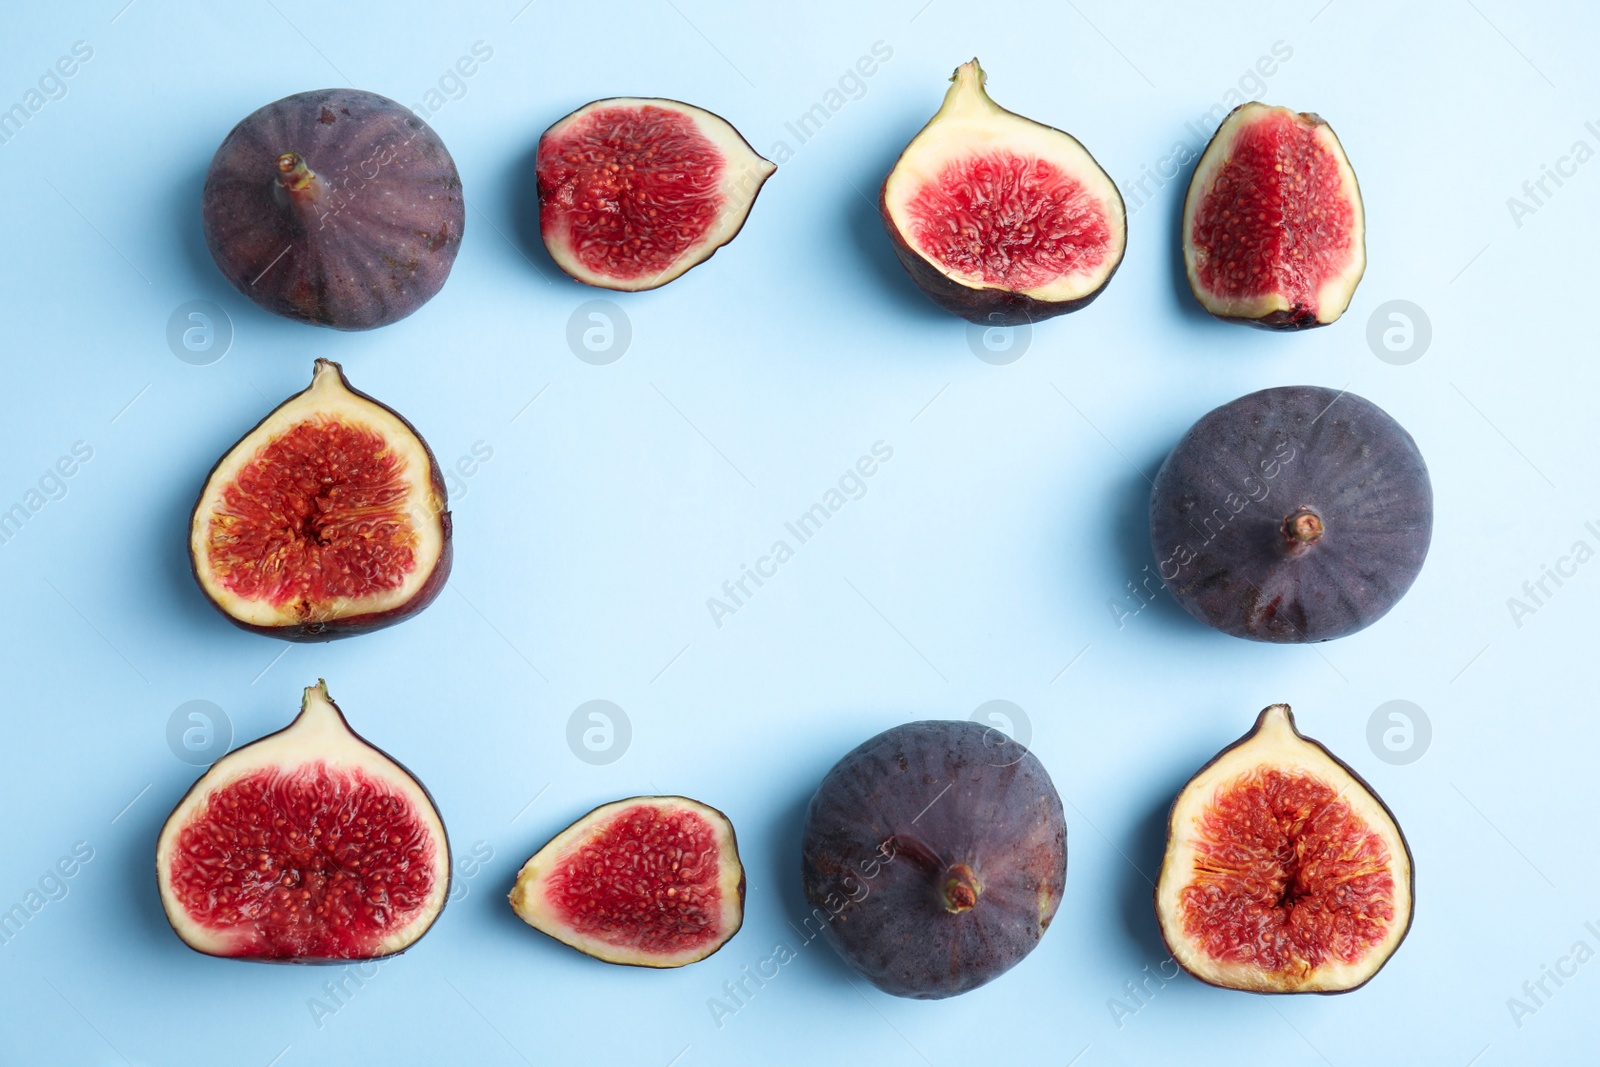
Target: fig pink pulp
673 852
1273 231
647 881
1284 872
320 513
1014 222
313 862
634 192
636 186
308 845
1292 876
999 219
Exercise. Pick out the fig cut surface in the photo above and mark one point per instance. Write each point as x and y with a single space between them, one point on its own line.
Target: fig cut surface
309 845
997 218
650 881
1284 872
327 519
633 192
1274 233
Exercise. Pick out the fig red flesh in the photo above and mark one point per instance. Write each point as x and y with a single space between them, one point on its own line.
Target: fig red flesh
997 218
1289 875
308 845
313 840
634 192
1284 872
648 881
327 519
1014 222
318 514
1273 232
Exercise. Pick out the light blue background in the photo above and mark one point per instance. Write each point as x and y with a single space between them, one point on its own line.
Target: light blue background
980 563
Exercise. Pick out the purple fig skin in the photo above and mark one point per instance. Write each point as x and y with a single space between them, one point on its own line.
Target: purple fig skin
1221 506
986 307
934 857
338 208
352 625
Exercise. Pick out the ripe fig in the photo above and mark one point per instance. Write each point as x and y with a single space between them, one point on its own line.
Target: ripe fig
326 520
647 881
307 846
999 219
934 857
1284 872
634 192
1273 230
337 207
1293 514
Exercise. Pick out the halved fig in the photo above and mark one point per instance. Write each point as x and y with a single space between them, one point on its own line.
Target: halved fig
1284 872
1273 230
326 520
634 192
338 208
309 845
647 881
1293 514
1000 219
934 857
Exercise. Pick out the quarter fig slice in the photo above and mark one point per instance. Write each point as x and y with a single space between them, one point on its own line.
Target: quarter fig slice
651 881
997 218
635 191
327 519
934 857
337 208
309 845
1284 872
1274 234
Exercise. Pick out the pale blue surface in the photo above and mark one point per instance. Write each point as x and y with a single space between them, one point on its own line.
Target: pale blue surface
1011 513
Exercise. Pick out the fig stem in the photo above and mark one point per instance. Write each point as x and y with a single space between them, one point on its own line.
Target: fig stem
1303 526
960 888
293 174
